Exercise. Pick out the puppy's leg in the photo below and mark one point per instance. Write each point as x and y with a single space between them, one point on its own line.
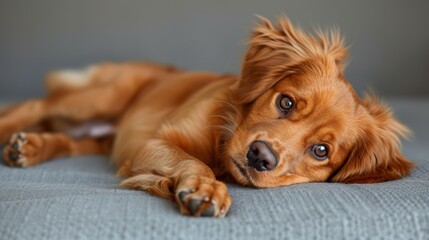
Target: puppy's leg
19 117
167 171
100 101
29 149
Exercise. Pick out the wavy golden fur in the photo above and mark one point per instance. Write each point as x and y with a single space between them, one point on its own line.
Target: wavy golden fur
290 117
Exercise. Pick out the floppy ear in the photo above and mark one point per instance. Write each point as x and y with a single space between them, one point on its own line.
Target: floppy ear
375 156
276 52
266 60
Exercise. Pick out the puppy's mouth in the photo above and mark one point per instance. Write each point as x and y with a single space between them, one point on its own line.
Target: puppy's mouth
240 168
243 172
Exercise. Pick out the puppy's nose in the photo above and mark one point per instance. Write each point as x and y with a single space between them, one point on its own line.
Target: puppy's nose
261 157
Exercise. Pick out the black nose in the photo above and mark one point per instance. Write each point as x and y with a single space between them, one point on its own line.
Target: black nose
261 157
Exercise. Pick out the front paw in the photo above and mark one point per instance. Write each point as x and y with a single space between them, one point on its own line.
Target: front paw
203 197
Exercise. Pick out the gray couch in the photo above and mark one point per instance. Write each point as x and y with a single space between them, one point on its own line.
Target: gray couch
80 198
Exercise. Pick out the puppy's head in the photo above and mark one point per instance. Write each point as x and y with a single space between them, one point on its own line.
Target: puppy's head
301 121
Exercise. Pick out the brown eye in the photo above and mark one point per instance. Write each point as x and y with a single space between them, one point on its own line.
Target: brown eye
319 152
284 103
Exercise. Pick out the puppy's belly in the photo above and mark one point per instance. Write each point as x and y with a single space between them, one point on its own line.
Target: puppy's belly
93 130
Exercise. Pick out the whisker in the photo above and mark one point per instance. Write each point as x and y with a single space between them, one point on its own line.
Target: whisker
236 110
228 119
223 127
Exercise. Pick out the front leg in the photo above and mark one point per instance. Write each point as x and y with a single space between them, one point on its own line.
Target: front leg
168 171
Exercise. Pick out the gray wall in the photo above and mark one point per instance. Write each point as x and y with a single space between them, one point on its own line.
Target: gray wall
390 39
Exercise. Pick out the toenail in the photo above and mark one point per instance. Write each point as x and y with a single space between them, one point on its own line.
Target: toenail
206 199
222 210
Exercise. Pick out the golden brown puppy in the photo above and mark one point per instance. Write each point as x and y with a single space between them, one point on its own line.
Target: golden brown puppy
290 117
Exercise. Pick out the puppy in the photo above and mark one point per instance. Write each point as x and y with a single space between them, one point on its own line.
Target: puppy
290 117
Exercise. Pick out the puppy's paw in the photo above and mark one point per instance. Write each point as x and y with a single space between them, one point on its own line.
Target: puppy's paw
22 150
203 197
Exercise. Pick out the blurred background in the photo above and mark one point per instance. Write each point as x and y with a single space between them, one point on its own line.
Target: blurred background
389 38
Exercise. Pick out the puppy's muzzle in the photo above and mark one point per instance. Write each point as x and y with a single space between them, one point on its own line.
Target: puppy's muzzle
261 157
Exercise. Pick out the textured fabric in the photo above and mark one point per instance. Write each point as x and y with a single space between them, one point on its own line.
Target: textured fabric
80 198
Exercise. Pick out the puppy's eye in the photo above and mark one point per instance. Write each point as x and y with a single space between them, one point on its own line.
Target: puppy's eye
284 103
319 152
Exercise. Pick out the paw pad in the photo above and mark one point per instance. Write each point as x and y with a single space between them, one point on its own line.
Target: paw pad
203 197
195 205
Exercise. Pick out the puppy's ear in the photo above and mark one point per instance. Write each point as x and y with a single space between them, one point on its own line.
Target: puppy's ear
267 53
375 156
278 51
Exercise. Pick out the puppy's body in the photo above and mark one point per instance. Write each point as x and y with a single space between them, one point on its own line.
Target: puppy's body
290 117
157 121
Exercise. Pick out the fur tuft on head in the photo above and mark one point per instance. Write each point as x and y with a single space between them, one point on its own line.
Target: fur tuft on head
275 51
